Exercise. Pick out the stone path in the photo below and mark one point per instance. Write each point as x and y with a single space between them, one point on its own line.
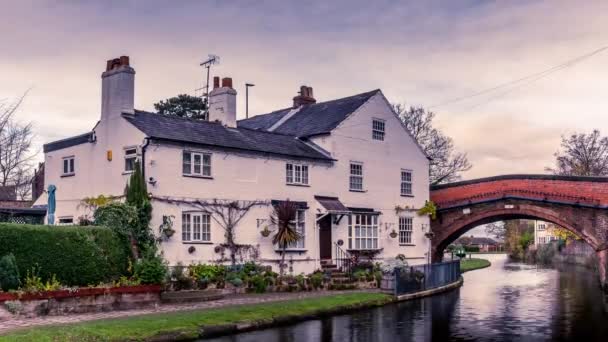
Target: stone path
15 323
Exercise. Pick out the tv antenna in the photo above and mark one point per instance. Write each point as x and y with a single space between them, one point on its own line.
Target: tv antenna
211 60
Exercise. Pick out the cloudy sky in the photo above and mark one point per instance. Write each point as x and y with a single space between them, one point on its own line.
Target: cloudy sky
419 53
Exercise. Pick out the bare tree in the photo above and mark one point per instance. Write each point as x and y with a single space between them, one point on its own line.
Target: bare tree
446 164
582 155
16 155
497 229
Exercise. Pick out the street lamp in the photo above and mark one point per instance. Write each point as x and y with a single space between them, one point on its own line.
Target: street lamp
247 85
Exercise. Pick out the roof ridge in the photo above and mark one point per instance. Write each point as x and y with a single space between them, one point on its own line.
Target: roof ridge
314 104
196 121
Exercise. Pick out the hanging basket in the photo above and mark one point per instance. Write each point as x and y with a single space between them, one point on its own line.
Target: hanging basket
265 232
393 234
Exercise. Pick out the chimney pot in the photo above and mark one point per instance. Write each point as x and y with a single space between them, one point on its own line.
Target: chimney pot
216 82
304 98
124 60
227 82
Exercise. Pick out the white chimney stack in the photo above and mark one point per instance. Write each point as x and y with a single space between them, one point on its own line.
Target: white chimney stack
117 89
222 102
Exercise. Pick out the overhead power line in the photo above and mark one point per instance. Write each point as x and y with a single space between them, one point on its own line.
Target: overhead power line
531 78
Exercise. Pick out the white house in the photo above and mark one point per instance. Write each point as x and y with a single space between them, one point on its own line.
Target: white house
348 163
544 232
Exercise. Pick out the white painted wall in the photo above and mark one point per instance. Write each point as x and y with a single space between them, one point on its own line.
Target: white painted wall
249 177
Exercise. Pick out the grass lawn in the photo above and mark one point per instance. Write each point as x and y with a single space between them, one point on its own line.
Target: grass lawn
473 264
187 323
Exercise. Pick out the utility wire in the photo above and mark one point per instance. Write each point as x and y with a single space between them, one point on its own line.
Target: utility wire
533 77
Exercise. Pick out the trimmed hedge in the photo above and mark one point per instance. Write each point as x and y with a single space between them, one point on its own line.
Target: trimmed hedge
78 256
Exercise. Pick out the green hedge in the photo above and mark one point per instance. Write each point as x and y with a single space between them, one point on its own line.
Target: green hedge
76 255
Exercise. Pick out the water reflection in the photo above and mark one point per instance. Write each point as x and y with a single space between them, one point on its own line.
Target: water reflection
506 302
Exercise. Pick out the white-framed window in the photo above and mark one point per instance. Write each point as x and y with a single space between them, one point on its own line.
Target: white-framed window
356 176
65 221
541 226
378 129
296 174
406 183
130 158
196 227
196 164
406 227
300 225
363 231
69 167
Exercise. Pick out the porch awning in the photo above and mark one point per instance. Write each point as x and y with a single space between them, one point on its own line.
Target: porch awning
298 204
332 205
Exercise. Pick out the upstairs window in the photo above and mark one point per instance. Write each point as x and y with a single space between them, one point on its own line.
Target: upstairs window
130 159
406 183
68 166
405 230
196 164
378 129
356 176
196 227
296 174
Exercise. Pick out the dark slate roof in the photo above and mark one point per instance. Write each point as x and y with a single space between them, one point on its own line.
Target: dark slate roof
68 142
213 134
314 119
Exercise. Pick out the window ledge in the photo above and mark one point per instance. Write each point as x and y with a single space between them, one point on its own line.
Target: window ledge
195 176
68 175
197 242
301 185
292 250
353 190
407 244
127 172
402 195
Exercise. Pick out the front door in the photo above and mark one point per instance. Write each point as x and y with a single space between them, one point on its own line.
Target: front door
325 238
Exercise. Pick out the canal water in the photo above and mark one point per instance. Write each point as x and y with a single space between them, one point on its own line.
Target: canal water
505 302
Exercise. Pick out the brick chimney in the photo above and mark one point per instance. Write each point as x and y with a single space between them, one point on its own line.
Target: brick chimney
222 102
117 88
304 97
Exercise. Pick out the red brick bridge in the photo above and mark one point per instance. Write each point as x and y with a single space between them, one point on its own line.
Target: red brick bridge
579 204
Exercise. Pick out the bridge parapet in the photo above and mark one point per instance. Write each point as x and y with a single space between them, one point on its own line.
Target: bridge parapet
584 191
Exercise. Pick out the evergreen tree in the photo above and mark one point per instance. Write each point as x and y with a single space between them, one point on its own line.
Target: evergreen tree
136 194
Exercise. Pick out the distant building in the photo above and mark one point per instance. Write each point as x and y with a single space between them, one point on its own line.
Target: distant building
38 182
544 232
484 244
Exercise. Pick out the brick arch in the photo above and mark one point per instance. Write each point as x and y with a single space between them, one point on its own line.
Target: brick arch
445 237
579 204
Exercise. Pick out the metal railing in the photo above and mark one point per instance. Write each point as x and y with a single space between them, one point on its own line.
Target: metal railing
343 260
424 277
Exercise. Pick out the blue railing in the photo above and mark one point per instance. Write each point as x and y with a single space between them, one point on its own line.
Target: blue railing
424 277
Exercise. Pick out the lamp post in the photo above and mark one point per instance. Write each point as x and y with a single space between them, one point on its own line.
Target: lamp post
247 85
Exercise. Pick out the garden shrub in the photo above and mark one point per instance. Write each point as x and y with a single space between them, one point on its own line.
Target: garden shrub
151 269
316 279
77 256
9 273
259 283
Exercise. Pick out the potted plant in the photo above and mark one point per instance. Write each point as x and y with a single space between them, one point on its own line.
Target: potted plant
265 232
166 228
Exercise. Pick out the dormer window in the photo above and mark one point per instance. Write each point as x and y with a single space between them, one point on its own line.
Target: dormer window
378 129
68 166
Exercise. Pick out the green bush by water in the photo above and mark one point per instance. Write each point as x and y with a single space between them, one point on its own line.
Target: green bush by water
77 256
